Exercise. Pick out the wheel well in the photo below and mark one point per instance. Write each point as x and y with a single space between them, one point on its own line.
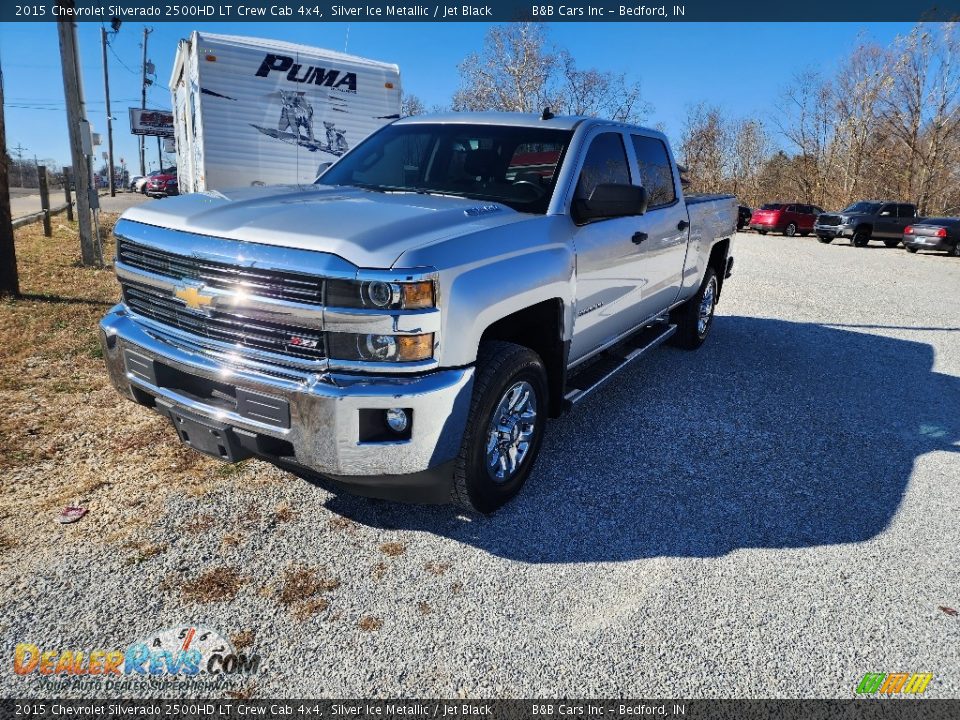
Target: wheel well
540 328
718 261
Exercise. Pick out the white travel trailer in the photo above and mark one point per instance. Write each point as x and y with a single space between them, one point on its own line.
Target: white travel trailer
262 112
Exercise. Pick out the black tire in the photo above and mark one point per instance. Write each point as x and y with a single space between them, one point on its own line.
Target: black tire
860 238
954 251
790 230
762 232
891 243
910 249
824 240
501 366
689 334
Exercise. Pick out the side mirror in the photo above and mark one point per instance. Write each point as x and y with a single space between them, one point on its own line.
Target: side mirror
610 200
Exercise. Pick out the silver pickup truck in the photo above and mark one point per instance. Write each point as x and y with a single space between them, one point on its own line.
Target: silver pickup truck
404 327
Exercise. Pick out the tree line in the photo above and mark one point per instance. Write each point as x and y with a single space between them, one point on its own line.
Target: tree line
885 125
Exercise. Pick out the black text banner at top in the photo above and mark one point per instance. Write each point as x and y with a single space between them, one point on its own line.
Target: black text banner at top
731 11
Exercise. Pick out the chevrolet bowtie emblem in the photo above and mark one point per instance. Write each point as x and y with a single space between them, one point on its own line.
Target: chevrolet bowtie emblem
192 297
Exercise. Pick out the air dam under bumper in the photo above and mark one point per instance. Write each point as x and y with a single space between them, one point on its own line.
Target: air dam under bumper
833 231
322 434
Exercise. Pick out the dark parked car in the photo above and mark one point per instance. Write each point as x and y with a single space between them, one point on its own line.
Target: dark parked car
162 185
789 218
933 234
867 220
743 216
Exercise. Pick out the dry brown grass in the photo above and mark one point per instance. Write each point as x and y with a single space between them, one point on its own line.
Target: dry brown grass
310 608
370 623
423 608
436 568
342 524
216 585
284 513
243 639
66 435
302 583
393 549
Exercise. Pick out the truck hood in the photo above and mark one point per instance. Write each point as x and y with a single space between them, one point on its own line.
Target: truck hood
366 228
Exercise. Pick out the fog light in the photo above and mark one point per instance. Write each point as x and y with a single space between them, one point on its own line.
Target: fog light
397 419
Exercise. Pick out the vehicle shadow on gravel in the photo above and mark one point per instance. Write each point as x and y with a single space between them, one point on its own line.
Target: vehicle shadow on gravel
775 434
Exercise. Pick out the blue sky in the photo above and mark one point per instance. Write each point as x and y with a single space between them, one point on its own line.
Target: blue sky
740 66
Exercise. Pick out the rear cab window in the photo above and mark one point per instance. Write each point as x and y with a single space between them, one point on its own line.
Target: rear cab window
656 170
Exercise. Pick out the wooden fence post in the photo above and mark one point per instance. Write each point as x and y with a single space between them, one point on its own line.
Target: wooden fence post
44 199
66 193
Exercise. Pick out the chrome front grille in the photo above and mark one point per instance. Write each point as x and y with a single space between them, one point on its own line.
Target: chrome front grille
278 284
224 327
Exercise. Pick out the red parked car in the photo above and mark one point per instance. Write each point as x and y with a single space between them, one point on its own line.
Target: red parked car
162 185
789 218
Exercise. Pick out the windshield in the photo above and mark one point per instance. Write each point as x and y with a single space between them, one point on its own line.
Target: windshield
772 206
863 207
516 166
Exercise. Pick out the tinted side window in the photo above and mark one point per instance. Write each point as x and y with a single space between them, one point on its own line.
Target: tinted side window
889 209
606 162
656 172
908 211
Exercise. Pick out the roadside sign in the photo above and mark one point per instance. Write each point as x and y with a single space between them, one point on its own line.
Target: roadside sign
151 122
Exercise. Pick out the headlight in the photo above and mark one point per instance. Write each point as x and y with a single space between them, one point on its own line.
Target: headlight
374 347
380 294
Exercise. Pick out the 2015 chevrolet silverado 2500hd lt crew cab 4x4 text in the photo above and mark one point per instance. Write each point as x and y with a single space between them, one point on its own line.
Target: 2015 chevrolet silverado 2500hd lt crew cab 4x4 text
405 326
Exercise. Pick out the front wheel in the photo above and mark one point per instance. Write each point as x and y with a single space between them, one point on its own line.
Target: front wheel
508 413
860 238
695 317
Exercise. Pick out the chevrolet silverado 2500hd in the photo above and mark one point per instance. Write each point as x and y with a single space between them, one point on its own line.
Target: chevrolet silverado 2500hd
405 326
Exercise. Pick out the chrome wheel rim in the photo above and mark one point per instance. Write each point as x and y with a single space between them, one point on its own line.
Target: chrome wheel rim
706 306
511 431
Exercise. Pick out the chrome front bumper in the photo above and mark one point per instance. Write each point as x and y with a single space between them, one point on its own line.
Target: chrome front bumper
833 231
324 408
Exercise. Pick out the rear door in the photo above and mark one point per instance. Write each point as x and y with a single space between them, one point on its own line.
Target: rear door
886 223
624 265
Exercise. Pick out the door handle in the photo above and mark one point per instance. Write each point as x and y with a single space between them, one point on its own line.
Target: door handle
683 225
638 237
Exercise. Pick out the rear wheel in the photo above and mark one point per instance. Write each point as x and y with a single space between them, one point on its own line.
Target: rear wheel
954 251
790 230
695 317
860 238
505 426
891 243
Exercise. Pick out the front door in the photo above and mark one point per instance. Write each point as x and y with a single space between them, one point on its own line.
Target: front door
628 268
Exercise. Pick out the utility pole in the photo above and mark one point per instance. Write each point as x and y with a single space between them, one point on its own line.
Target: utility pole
143 96
77 127
20 148
106 95
9 282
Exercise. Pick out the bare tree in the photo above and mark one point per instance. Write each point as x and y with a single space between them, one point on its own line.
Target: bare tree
519 70
410 104
703 148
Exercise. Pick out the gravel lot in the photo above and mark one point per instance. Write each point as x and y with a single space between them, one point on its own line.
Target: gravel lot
772 516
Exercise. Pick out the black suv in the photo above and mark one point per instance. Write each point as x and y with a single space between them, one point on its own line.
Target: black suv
865 221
